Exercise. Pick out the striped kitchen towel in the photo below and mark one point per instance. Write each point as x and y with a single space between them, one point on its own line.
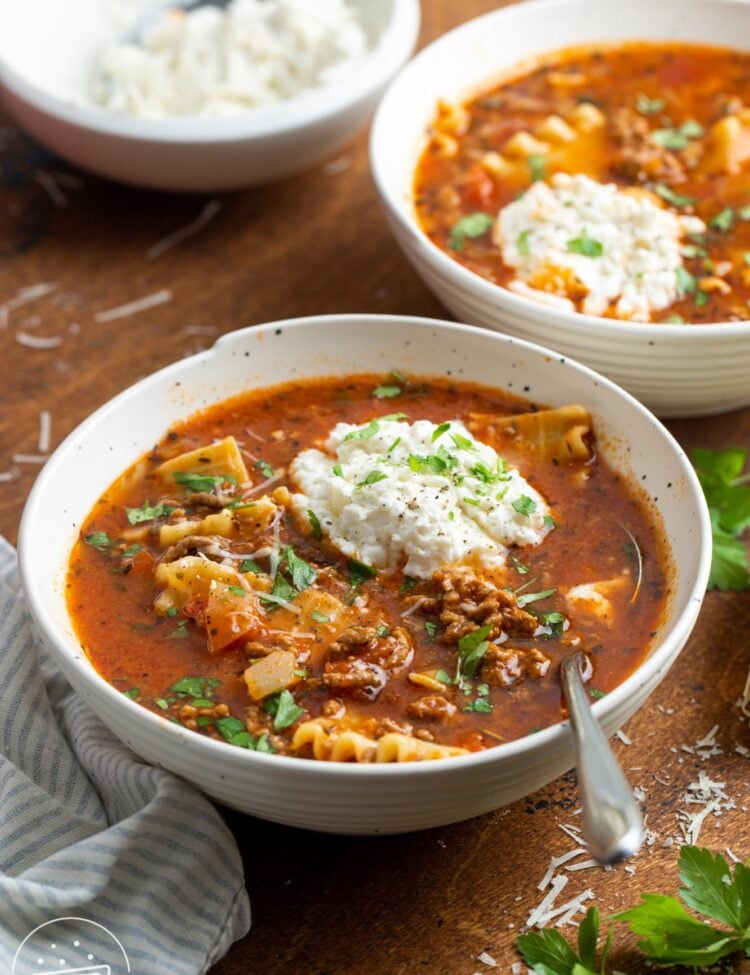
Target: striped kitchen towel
107 864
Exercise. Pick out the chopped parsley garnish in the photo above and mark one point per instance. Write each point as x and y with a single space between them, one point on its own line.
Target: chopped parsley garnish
537 166
723 221
387 392
554 620
701 299
549 522
233 730
744 213
393 417
382 630
522 243
202 482
284 709
249 565
430 629
532 597
408 584
399 377
133 693
302 573
191 687
685 280
172 611
374 477
265 468
649 106
315 527
728 495
147 512
100 540
596 693
679 137
524 505
669 196
674 319
161 702
443 677
519 566
237 590
131 550
360 572
180 632
480 706
319 617
337 470
585 246
363 432
471 650
693 250
462 443
439 431
201 702
393 446
473 225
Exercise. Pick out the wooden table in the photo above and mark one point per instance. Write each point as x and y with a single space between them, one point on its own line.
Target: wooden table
426 903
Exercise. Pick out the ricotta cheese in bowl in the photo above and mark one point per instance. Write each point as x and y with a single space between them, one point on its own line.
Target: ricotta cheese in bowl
428 493
577 239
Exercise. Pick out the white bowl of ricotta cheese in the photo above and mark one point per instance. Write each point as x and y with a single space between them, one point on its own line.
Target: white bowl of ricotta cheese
341 797
675 369
206 100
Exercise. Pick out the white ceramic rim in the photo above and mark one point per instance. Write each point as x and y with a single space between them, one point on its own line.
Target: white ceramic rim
659 658
468 280
394 45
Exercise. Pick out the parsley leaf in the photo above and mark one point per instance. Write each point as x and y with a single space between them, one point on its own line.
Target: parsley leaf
548 953
439 431
190 686
363 433
133 693
430 629
674 199
302 573
283 708
471 650
685 280
147 513
473 225
524 505
360 572
537 166
100 540
315 526
374 477
202 482
250 565
649 106
522 243
678 138
586 246
720 473
724 220
532 597
265 468
319 617
387 392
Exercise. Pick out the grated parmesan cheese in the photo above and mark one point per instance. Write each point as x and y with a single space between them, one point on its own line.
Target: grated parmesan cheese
207 214
134 307
223 62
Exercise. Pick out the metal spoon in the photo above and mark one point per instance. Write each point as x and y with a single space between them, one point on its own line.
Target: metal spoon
150 16
612 823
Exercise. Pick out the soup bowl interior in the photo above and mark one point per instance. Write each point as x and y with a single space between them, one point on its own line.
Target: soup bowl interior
677 370
339 797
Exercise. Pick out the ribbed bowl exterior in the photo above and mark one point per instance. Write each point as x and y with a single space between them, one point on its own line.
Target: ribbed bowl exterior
339 797
675 370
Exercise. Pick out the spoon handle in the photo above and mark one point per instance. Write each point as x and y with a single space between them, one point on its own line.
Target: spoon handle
612 822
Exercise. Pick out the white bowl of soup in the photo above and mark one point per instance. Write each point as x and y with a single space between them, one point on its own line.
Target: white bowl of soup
51 62
582 179
327 570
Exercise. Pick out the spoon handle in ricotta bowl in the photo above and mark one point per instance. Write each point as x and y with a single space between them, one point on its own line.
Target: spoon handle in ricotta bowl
612 822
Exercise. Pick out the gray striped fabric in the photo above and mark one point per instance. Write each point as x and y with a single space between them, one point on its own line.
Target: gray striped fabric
88 831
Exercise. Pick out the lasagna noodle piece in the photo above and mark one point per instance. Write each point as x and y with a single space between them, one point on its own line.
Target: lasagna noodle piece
328 742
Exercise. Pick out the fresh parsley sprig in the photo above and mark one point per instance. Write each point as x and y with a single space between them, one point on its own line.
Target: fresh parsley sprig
727 492
669 934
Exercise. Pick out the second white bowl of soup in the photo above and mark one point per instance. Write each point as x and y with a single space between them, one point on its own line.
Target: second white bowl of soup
638 265
352 591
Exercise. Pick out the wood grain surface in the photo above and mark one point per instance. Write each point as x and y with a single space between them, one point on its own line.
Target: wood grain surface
426 903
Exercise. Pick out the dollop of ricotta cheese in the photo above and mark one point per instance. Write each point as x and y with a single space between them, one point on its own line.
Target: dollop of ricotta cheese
425 495
597 246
